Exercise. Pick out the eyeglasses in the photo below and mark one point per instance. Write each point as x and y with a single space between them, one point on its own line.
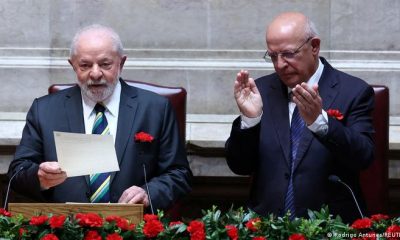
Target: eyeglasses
287 55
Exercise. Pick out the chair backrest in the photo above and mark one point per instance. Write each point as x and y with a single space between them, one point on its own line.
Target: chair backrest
176 95
374 180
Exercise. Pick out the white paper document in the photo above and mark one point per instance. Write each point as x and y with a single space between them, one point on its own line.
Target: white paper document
83 154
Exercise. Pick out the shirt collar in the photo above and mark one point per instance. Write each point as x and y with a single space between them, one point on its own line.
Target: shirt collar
111 103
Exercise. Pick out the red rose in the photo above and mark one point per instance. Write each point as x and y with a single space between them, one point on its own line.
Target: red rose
259 238
379 217
89 220
57 221
393 232
38 220
49 236
92 235
130 227
171 224
143 137
362 223
149 217
124 225
196 230
152 228
113 218
335 114
4 212
252 224
297 236
120 222
22 231
114 236
232 232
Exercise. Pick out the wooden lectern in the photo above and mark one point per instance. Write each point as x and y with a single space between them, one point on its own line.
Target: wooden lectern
132 212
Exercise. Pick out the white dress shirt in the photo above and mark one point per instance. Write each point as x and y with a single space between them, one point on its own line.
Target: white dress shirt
112 109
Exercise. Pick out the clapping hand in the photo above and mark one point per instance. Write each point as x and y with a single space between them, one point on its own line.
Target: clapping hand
308 102
247 96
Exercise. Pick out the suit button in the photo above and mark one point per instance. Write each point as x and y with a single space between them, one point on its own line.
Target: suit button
287 175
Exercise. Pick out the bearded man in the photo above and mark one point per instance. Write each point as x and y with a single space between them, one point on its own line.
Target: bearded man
96 55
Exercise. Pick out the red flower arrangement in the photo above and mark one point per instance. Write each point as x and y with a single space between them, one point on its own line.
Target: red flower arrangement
49 236
57 221
335 114
114 236
152 226
143 137
297 236
4 212
252 224
196 230
362 223
92 235
21 232
379 217
38 220
234 225
121 222
232 232
89 220
393 232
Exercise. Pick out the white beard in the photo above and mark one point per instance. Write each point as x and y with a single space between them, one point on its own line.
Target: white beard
98 95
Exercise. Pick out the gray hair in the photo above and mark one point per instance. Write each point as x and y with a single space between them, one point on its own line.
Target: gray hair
310 29
112 34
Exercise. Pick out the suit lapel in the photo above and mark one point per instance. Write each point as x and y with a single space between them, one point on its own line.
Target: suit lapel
328 92
328 89
277 100
74 112
127 112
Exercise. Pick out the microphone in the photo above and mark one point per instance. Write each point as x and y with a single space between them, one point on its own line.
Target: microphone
147 188
336 179
24 166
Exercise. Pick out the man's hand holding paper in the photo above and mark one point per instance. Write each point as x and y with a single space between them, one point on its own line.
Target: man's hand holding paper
50 175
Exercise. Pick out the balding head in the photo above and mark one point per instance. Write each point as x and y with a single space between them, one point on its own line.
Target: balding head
293 45
291 25
96 31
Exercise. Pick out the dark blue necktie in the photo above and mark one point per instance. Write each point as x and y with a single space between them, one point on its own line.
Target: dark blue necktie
100 182
296 129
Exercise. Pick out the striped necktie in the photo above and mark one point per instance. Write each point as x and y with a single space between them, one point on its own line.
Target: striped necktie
296 129
100 182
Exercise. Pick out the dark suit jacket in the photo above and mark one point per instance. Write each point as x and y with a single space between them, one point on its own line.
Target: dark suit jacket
167 167
263 151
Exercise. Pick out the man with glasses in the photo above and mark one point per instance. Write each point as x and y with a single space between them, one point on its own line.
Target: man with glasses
300 125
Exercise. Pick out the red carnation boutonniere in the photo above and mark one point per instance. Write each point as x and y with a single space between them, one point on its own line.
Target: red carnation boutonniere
143 137
335 114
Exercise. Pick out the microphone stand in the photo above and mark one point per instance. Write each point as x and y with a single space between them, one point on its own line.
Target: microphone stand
147 189
335 178
9 185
